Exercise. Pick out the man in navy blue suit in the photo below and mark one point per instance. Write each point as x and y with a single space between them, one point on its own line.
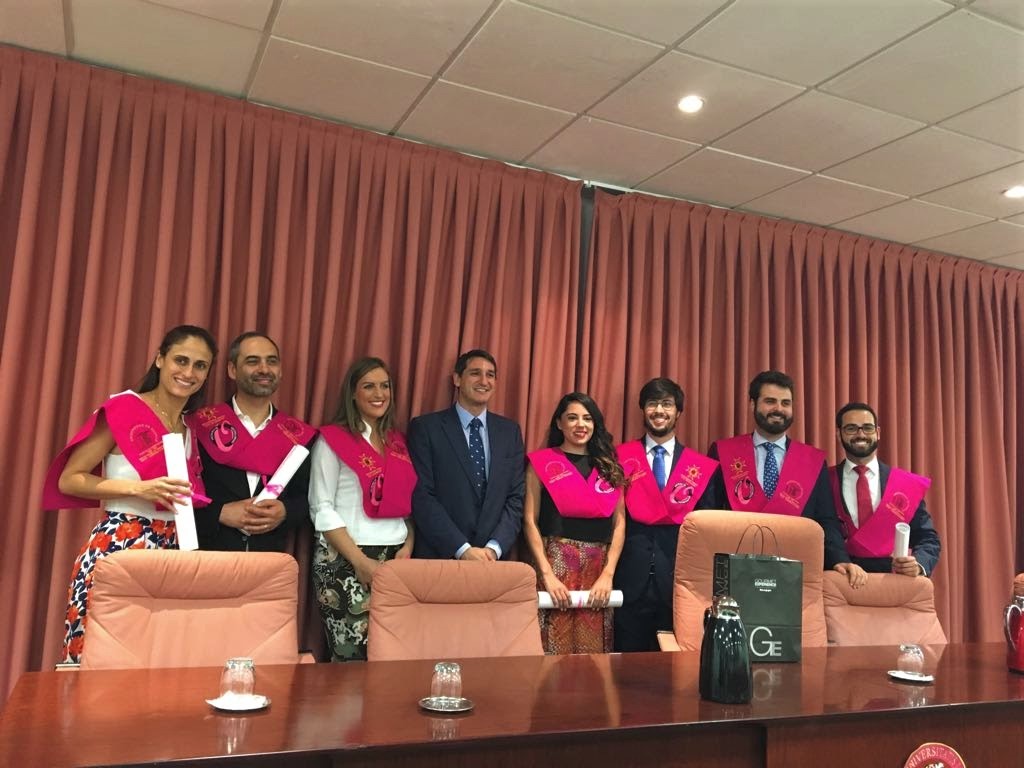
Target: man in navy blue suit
468 501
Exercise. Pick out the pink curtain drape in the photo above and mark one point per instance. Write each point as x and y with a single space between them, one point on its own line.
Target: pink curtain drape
710 297
128 206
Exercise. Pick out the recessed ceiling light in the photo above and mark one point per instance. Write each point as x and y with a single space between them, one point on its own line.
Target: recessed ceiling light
1017 191
690 104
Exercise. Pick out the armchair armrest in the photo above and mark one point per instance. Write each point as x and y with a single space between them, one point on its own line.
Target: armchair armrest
667 641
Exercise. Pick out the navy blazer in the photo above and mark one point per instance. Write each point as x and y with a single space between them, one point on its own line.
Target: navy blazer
446 508
924 539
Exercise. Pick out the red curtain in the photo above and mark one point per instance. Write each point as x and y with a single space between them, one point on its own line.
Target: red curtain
128 206
710 297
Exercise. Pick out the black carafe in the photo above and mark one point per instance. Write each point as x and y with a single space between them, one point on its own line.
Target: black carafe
724 657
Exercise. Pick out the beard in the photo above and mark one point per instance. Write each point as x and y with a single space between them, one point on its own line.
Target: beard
770 427
257 388
669 428
861 451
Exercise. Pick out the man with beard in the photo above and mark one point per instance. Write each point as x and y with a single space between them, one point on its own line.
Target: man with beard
769 472
872 497
666 481
242 443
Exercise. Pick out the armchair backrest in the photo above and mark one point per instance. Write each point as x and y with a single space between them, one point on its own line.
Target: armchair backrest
890 609
169 608
437 609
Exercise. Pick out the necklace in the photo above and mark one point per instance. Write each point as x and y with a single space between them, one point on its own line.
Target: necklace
165 416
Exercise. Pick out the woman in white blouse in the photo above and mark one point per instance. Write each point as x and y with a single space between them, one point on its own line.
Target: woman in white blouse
360 495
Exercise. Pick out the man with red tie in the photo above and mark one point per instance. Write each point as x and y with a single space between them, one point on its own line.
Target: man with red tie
872 497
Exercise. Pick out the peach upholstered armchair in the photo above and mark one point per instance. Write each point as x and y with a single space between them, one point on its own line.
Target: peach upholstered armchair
435 609
705 532
168 608
890 609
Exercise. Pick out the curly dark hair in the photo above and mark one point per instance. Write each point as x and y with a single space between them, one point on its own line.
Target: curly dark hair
600 447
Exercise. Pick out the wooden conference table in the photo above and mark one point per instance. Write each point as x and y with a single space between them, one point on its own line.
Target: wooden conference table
837 708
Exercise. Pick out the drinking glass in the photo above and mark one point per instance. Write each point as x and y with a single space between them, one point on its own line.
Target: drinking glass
447 680
910 659
238 677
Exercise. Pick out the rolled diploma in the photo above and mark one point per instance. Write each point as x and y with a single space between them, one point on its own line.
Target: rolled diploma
578 599
284 473
901 544
177 467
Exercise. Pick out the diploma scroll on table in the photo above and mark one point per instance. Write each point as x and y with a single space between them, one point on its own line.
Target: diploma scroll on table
177 467
284 473
578 599
901 544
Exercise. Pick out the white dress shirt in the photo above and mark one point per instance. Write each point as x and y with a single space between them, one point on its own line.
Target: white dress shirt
850 487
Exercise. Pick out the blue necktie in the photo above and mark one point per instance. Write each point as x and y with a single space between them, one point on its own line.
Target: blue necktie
771 470
476 455
658 465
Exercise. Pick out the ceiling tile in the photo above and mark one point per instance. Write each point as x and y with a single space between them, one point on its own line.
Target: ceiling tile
821 200
910 221
732 97
547 59
1016 219
408 34
1014 260
481 123
919 77
35 24
327 84
662 21
816 130
1001 121
1010 11
720 178
986 241
244 13
984 194
581 150
778 38
924 161
151 39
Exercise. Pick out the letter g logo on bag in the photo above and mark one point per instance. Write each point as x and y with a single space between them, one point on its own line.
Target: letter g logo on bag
765 647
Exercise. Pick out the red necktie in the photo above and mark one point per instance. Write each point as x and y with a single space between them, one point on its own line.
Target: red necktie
864 508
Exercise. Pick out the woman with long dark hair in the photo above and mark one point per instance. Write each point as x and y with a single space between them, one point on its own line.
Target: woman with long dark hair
360 497
125 436
574 522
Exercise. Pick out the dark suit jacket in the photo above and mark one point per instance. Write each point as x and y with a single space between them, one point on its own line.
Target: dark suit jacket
820 507
652 544
924 539
446 508
225 484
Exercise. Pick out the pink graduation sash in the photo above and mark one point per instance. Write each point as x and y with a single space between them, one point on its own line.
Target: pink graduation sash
228 442
380 499
903 492
650 505
138 432
573 495
796 481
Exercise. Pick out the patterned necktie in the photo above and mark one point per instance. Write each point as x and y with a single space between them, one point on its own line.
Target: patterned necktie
476 456
864 508
658 465
771 470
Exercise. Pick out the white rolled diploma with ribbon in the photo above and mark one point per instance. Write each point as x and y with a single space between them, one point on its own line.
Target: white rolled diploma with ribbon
177 467
284 473
578 599
901 544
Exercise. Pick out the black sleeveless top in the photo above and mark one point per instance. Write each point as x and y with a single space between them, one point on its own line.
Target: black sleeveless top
580 528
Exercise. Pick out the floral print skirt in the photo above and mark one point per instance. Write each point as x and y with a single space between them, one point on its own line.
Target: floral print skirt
577 564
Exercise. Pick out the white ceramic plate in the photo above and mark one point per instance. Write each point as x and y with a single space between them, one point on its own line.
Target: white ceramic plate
911 677
446 704
237 703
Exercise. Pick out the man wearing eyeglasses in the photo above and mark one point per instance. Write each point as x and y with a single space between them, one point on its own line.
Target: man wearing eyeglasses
872 497
666 481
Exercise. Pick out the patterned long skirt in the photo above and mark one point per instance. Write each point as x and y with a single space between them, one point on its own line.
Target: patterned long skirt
344 602
116 531
577 564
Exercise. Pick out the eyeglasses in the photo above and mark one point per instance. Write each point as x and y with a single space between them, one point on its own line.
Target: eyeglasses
653 405
853 429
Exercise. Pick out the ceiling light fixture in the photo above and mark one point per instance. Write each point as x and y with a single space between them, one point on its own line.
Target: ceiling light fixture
690 104
1015 192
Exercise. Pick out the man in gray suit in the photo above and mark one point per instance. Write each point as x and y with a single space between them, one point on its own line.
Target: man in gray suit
468 501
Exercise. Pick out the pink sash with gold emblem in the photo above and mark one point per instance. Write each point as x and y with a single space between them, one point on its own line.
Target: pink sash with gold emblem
573 495
903 492
650 505
799 474
228 442
380 499
138 432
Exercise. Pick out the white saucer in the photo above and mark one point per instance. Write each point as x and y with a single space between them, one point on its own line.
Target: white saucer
911 677
233 702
